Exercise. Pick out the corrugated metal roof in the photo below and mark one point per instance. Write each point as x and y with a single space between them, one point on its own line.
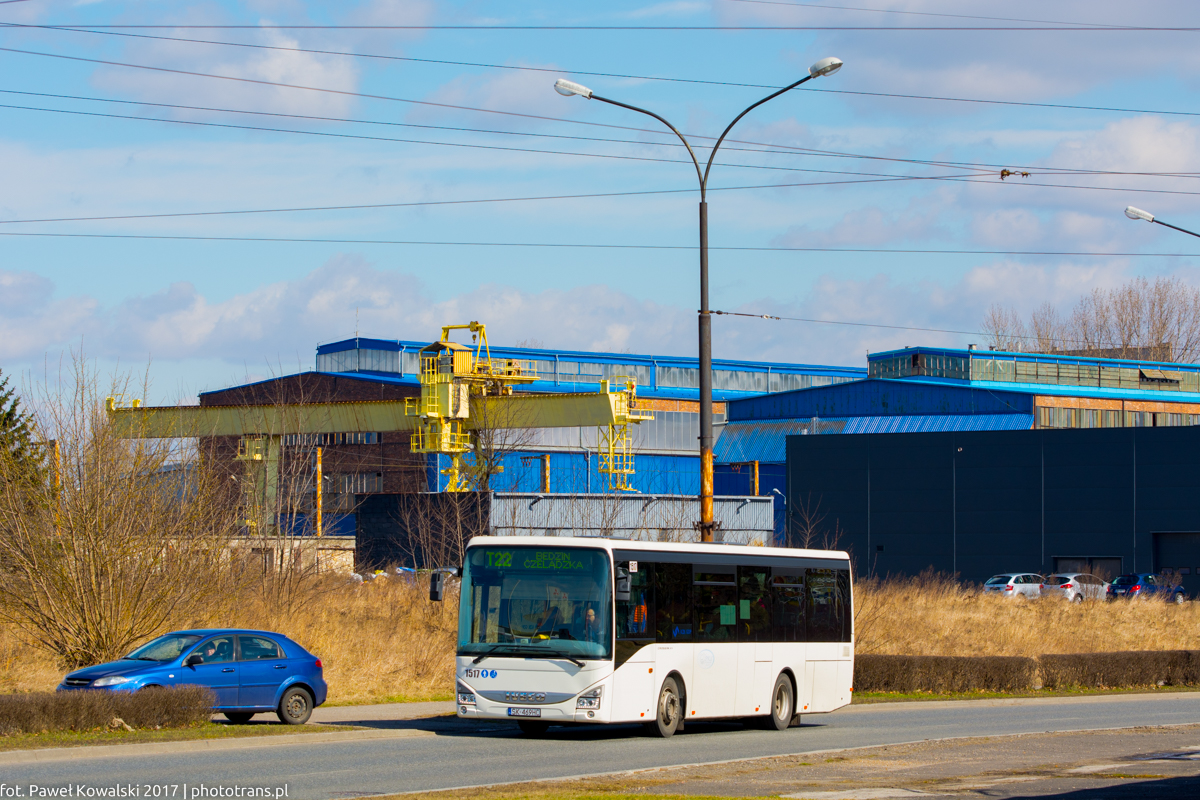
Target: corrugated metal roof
926 423
766 442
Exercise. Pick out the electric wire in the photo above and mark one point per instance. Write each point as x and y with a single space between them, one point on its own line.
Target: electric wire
756 147
919 13
334 135
1073 28
591 245
1066 106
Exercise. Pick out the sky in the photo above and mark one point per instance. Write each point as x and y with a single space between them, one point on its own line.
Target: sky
581 230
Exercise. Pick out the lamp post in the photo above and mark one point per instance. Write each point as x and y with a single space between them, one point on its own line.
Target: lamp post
826 66
1137 213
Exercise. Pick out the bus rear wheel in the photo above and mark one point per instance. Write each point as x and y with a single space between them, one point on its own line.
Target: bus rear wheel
670 710
783 704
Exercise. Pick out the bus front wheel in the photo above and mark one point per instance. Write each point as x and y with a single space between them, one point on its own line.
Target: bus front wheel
783 704
670 710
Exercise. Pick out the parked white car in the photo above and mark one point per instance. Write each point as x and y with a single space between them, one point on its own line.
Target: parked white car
1015 584
1074 586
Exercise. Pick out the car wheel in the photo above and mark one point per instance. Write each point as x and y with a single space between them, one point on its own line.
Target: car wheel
295 707
783 704
1179 598
531 728
1077 598
239 717
670 710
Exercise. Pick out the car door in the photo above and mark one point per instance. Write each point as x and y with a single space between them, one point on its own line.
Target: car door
218 669
262 668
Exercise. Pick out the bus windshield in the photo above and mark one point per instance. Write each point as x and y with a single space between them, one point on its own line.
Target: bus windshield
536 602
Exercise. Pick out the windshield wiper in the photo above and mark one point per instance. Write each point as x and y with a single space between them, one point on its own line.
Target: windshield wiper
537 651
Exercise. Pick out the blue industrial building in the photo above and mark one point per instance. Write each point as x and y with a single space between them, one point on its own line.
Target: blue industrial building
667 448
961 459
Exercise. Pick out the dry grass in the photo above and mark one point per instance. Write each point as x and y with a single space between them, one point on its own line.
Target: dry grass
379 641
384 641
931 615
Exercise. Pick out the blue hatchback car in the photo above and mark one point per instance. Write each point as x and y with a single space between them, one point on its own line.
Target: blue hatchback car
1146 584
250 672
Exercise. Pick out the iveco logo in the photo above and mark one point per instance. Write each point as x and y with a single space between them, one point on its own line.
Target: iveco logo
525 697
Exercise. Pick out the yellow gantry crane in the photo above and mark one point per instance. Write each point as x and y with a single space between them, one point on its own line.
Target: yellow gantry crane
464 392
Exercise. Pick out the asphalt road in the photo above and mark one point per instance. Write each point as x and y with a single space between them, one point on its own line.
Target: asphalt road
412 755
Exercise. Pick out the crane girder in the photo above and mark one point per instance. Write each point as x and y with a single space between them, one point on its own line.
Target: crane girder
375 416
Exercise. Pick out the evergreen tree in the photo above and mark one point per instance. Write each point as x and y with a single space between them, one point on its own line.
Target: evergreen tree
17 445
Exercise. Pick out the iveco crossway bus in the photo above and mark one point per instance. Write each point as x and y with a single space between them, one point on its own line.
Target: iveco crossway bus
580 630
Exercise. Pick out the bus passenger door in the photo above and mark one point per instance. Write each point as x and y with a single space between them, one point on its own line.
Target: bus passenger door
715 665
756 672
634 685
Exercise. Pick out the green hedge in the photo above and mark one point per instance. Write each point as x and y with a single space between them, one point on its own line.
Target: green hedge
45 712
941 674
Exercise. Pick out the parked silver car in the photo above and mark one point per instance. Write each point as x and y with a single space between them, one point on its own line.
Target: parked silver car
1074 586
1015 584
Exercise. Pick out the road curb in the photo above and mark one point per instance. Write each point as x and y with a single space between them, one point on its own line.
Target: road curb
200 745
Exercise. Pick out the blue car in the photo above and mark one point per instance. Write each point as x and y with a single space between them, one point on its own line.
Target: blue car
1146 584
250 672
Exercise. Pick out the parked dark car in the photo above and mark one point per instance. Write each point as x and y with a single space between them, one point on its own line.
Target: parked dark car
1146 584
250 672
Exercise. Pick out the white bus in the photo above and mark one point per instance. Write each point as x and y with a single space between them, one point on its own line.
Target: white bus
576 630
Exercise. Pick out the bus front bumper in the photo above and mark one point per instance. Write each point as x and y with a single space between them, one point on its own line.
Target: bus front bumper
553 713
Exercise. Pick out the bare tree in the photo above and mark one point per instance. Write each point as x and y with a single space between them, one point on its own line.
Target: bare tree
127 539
807 527
1153 320
499 431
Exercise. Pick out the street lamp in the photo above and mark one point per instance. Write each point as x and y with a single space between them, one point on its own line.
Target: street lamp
1137 213
826 66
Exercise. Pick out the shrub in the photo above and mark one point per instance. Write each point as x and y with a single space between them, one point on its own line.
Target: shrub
48 712
1112 670
876 673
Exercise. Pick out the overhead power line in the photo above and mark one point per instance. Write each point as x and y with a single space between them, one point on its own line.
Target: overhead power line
846 323
875 177
919 13
1086 28
334 135
590 245
755 147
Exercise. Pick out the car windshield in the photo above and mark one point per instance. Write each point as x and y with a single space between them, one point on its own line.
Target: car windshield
1057 580
165 648
998 579
536 601
1126 580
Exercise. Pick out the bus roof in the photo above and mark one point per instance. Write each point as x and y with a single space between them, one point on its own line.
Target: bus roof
612 543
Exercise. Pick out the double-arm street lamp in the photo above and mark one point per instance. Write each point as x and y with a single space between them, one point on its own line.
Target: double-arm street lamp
826 66
1137 213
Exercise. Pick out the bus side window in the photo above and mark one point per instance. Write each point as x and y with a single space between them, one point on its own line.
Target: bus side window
635 615
826 606
754 605
716 606
787 605
673 602
847 604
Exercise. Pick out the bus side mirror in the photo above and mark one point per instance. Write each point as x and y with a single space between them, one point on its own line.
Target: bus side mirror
624 585
437 586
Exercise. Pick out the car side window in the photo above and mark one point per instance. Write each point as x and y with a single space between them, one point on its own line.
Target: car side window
258 648
217 650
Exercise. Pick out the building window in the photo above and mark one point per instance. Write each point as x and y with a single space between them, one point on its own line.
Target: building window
328 439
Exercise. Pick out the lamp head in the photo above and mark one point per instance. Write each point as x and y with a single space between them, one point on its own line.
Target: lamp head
826 66
567 88
1137 213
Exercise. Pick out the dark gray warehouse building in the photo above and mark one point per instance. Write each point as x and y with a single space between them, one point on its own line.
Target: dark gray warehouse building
981 502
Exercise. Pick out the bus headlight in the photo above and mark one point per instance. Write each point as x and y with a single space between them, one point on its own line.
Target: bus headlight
590 699
465 696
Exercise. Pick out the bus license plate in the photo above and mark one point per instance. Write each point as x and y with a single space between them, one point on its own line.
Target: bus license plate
524 712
